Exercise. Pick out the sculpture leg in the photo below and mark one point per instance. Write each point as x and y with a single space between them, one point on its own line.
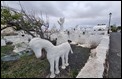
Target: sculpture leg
63 62
66 59
51 61
57 66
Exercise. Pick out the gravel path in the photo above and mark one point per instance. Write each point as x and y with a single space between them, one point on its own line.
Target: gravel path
114 57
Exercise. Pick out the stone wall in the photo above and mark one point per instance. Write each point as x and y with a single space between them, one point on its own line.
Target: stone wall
94 68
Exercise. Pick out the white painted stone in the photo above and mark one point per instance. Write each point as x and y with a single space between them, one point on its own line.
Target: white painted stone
7 30
20 47
3 42
93 53
91 69
18 38
94 67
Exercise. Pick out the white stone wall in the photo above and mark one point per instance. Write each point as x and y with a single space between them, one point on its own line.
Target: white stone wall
94 67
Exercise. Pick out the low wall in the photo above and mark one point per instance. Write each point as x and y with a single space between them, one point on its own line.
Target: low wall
94 68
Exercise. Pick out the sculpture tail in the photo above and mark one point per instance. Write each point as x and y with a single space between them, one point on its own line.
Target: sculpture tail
71 51
69 41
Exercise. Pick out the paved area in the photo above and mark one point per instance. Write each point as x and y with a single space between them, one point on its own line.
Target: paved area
114 57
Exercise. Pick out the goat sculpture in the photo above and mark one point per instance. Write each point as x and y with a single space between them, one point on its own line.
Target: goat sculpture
53 53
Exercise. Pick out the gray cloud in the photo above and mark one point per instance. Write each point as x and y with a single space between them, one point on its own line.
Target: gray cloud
75 12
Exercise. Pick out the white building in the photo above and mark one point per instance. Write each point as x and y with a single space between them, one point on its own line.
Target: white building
100 27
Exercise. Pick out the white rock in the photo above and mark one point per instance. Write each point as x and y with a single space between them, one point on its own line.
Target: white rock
20 47
3 42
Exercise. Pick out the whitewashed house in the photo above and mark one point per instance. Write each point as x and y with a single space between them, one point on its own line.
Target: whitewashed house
100 27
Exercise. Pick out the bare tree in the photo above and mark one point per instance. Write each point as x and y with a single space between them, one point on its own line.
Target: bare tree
27 22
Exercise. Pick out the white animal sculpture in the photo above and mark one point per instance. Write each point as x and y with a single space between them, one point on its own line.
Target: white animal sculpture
53 53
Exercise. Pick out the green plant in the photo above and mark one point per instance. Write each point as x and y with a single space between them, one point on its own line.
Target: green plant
113 28
7 16
119 28
6 49
73 73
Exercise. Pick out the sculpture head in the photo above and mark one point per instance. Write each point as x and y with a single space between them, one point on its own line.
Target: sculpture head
37 52
39 46
41 53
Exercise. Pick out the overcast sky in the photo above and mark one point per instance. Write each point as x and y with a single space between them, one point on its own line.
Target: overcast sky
75 12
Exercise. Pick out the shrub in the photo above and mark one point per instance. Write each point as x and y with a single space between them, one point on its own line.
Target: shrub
113 28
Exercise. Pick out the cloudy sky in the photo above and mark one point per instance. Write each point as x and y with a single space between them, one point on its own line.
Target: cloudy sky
84 13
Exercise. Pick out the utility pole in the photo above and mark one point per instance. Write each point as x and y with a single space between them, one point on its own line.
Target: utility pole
109 22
